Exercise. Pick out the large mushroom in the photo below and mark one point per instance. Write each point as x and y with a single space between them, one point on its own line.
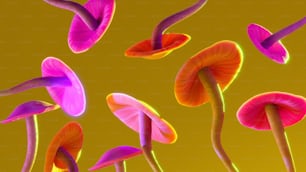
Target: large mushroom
274 111
142 118
161 43
202 79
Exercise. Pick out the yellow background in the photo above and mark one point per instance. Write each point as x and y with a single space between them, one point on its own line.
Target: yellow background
32 30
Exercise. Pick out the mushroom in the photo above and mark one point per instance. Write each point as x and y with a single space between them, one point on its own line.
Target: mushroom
274 111
202 79
90 22
162 44
28 111
269 44
142 118
62 84
116 156
65 148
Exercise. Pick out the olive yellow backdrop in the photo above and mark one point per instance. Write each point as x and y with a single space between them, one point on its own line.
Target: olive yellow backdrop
33 30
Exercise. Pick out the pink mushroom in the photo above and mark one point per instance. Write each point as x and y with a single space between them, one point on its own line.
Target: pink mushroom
274 111
142 118
90 22
62 84
116 156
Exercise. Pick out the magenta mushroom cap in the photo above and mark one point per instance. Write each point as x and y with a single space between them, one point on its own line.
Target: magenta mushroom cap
72 98
30 108
80 36
291 109
114 155
277 52
127 110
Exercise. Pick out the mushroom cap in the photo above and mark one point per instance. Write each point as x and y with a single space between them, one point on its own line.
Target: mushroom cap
30 108
72 98
224 60
114 155
70 137
127 109
291 109
81 37
170 42
277 52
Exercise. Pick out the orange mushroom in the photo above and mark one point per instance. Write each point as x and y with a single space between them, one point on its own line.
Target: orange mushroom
203 78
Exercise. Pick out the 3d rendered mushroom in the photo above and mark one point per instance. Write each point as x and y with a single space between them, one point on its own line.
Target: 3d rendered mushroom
161 43
65 149
117 157
90 22
62 83
274 111
269 44
203 78
28 112
142 118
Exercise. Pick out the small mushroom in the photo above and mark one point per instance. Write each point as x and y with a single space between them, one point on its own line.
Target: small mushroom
269 44
274 111
28 112
117 157
162 44
65 149
62 84
90 22
202 79
142 118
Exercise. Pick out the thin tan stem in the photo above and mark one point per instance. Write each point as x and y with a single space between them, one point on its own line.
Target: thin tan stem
280 136
120 166
217 104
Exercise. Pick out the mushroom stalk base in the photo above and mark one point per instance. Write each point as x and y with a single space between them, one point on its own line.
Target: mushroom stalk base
120 166
280 136
32 133
217 104
145 129
68 159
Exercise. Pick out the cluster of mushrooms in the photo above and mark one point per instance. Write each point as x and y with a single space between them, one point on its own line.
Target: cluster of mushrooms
201 79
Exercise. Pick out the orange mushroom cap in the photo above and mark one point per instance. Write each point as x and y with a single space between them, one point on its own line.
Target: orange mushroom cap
70 137
170 42
223 59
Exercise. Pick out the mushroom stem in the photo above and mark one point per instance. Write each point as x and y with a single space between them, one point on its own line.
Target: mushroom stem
280 136
37 82
68 159
217 104
78 9
167 22
145 129
120 166
32 134
268 42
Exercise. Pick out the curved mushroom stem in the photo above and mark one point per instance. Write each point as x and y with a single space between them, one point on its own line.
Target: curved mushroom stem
280 136
32 134
37 82
268 42
167 22
68 159
78 9
145 129
217 104
120 166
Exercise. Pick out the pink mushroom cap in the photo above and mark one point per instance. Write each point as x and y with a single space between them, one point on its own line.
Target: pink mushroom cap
80 36
114 155
71 98
277 52
291 109
127 109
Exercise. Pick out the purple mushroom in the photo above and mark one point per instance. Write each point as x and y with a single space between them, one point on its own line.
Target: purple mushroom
90 22
269 44
28 111
62 84
116 156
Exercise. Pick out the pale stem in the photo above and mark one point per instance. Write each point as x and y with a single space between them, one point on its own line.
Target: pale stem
120 166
